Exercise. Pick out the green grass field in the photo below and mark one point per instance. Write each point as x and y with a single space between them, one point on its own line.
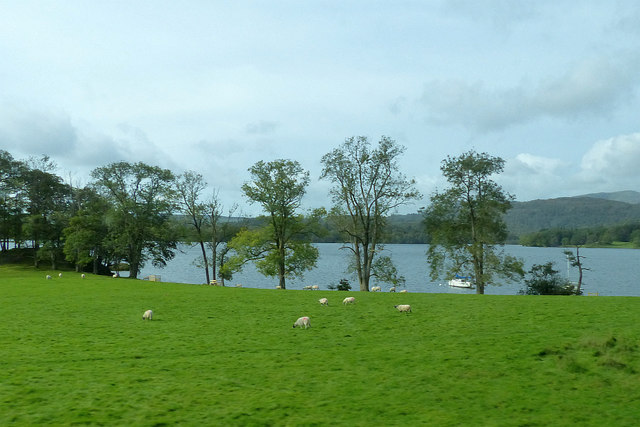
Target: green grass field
76 351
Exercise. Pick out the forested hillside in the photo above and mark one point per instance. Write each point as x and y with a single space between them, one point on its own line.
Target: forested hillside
568 212
599 212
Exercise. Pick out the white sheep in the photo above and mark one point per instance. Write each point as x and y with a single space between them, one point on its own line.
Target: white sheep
306 288
147 315
82 276
376 289
403 308
404 291
323 301
349 300
315 287
115 275
302 322
238 285
278 287
60 275
48 277
393 289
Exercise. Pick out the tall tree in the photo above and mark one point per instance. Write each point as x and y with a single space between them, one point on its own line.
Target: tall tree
220 232
87 232
367 187
48 202
466 225
190 186
281 248
143 201
11 202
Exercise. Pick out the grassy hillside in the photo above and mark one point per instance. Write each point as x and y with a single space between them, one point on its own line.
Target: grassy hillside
77 351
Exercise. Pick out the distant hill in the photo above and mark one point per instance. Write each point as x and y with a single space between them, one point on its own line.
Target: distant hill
628 196
572 212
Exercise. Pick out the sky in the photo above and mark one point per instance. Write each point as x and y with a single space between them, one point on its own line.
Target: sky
551 87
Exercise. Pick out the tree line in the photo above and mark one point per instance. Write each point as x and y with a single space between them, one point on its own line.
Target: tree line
602 235
126 215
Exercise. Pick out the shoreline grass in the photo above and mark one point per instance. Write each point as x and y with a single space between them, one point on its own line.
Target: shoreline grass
77 351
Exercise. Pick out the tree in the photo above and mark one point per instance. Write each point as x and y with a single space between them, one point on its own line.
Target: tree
47 201
367 187
219 232
11 206
576 261
143 202
281 248
465 222
190 186
544 280
86 234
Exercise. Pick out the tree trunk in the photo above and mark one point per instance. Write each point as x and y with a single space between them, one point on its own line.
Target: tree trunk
206 263
579 270
281 270
214 255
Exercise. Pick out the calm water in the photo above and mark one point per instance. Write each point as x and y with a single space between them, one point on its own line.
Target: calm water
613 272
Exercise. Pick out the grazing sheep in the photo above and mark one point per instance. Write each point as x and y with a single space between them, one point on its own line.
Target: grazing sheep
302 322
323 301
315 287
404 291
60 275
306 288
376 289
393 289
349 300
115 275
238 285
403 308
147 315
82 276
278 287
48 277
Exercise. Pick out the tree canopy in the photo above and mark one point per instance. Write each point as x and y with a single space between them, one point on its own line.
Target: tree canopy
367 187
281 248
143 201
465 222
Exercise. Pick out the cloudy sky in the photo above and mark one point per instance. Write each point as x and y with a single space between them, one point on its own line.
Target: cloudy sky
552 87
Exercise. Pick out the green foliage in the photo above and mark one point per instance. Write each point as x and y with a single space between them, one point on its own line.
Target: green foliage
465 222
545 280
343 285
385 271
367 187
591 236
569 213
81 354
143 201
282 247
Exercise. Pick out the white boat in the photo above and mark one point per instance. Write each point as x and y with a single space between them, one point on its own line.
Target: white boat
461 282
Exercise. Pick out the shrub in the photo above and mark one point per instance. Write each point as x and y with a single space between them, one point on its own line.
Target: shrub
545 280
344 285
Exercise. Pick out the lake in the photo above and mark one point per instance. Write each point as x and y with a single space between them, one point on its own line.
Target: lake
613 272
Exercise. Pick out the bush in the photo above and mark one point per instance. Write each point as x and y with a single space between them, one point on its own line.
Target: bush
544 280
344 285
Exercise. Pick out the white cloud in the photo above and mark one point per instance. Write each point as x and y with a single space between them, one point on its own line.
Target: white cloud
590 87
617 157
532 177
